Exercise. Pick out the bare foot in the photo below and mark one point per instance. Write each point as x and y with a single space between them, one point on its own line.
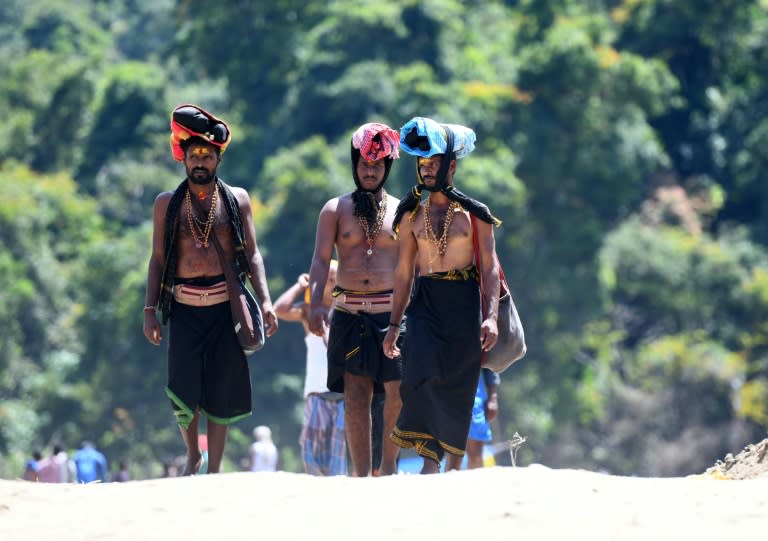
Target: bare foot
430 466
386 469
193 466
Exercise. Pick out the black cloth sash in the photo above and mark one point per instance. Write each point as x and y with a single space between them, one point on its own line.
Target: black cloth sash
354 346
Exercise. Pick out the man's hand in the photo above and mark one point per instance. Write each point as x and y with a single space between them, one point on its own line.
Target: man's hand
489 334
389 345
152 330
318 320
303 280
270 319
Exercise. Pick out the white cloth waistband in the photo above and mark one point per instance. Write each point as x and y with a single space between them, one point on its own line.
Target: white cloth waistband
373 303
201 295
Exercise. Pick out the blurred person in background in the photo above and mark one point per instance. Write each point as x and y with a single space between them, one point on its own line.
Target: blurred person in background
32 467
263 450
55 468
90 464
322 440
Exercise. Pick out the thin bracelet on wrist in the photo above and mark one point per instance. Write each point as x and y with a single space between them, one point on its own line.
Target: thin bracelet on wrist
394 324
149 308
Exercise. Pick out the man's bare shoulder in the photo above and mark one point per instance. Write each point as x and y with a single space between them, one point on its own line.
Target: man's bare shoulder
163 199
165 196
240 193
412 221
416 214
339 203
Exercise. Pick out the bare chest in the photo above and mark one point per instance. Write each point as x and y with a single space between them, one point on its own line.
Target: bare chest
367 251
444 238
197 256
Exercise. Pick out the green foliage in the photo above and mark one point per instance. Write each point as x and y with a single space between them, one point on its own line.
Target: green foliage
621 143
302 178
127 110
63 29
45 226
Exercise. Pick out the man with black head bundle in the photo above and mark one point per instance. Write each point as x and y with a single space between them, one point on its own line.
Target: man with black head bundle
207 369
358 225
446 333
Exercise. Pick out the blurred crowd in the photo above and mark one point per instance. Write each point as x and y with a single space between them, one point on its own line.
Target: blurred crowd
89 465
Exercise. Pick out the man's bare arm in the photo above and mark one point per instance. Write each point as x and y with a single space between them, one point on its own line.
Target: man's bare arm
325 240
490 269
286 306
152 329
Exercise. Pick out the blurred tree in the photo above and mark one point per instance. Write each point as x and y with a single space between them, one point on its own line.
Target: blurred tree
715 54
45 225
674 363
59 126
131 99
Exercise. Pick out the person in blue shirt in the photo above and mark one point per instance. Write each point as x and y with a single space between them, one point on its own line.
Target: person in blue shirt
90 464
32 467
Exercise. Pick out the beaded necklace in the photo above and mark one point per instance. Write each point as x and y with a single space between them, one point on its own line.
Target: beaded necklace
372 232
442 243
201 231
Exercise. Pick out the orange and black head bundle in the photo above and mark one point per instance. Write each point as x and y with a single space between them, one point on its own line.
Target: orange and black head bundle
191 121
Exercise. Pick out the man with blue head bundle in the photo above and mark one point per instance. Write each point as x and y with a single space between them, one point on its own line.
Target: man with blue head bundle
447 333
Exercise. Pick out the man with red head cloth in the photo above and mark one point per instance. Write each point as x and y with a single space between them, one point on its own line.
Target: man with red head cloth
207 371
358 225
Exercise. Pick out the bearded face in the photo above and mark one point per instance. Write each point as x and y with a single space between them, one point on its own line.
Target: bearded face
201 162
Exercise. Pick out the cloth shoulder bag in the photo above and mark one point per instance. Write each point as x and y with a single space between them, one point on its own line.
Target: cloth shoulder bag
510 346
246 312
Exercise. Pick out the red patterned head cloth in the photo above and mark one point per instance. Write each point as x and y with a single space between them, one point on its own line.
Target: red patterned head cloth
189 120
376 141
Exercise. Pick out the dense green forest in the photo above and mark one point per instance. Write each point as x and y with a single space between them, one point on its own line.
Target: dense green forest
622 142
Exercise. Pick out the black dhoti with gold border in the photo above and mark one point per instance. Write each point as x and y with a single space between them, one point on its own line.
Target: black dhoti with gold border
441 364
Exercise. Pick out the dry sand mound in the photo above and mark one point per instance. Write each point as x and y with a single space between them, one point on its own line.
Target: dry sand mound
501 503
750 463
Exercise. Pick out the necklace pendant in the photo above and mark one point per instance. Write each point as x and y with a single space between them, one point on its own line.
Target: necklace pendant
369 252
198 245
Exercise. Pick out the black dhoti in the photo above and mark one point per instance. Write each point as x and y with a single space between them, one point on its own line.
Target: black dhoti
441 364
207 369
354 346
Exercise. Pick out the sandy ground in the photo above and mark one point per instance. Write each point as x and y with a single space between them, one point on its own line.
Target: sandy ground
532 502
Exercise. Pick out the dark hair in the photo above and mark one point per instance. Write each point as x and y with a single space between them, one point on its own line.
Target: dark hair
365 202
